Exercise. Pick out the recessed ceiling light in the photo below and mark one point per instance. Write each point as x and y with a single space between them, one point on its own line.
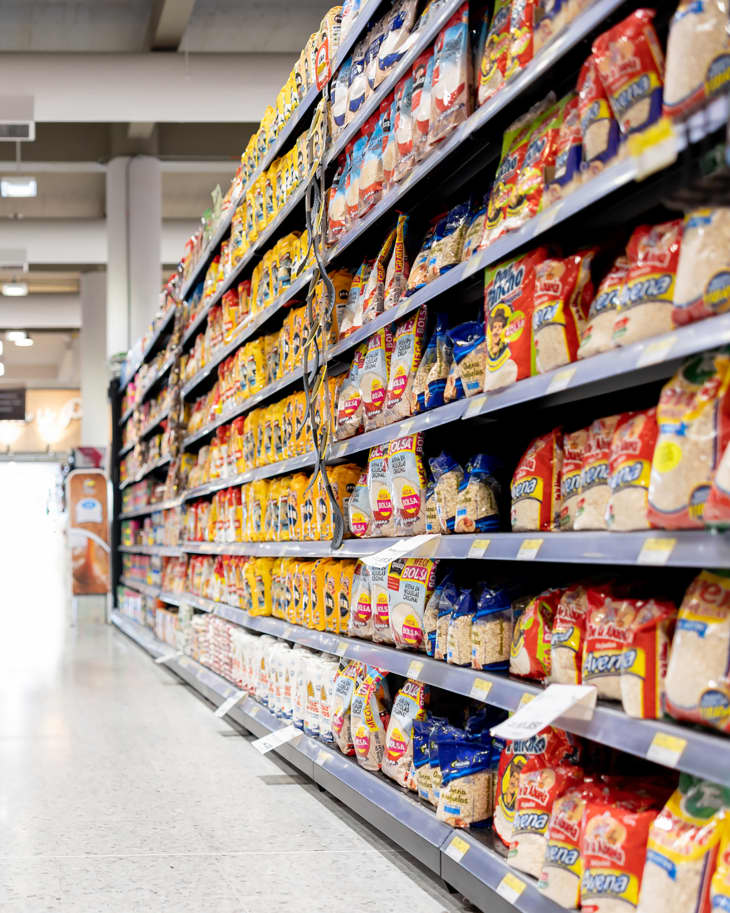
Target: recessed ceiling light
12 335
25 343
18 187
15 289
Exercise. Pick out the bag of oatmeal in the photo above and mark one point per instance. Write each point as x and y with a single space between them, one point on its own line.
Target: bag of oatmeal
359 512
568 636
598 334
645 307
422 74
479 496
592 506
350 408
573 447
629 468
566 173
432 518
630 65
379 492
448 600
407 484
374 377
408 603
539 788
448 476
508 307
371 172
466 791
702 288
683 847
692 415
697 686
396 276
607 634
563 292
409 706
404 363
491 630
448 242
352 180
474 231
530 648
361 607
438 372
380 582
458 635
645 657
421 758
496 52
597 124
717 508
450 88
535 489
374 289
418 276
697 55
345 685
430 615
470 355
369 717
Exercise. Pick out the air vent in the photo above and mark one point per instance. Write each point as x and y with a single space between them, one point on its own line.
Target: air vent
17 122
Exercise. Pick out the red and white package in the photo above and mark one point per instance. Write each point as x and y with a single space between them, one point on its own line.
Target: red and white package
535 488
629 469
598 334
573 447
591 509
607 634
530 649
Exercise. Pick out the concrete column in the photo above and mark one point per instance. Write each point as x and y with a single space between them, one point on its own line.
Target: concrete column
134 237
95 431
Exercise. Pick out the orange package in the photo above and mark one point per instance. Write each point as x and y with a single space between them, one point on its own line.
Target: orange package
629 467
535 488
530 648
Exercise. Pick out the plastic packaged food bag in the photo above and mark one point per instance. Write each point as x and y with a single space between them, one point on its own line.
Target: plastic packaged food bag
717 508
450 87
374 377
359 513
361 607
566 174
530 648
374 288
447 603
491 630
470 355
409 706
350 407
448 476
417 581
396 275
421 758
592 507
644 661
629 467
422 75
458 636
573 447
397 38
352 180
598 126
521 25
340 95
404 129
496 52
568 637
607 634
598 334
379 490
407 484
418 276
467 782
380 581
720 885
702 288
345 685
535 489
375 39
369 717
448 243
474 231
404 363
371 172
358 80
477 503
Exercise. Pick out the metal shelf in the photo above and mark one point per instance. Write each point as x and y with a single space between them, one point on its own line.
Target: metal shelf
150 426
146 588
165 321
360 24
166 551
158 464
164 368
263 472
150 509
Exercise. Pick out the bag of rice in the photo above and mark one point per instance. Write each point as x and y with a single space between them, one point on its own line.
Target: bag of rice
703 273
607 634
409 706
474 231
345 685
466 793
358 80
352 180
717 508
591 509
371 172
422 729
645 306
359 511
448 600
598 126
566 174
379 491
438 372
629 467
698 51
645 657
530 649
539 788
479 496
374 289
568 636
430 615
491 630
404 363
369 717
598 334
496 52
720 885
448 242
450 89
344 595
449 477
422 74
374 377
350 408
407 484
630 65
404 128
418 276
361 605
458 637
613 849
697 686
563 292
508 306
470 355
694 430
408 602
535 489
573 447
396 42
683 846
396 275
441 729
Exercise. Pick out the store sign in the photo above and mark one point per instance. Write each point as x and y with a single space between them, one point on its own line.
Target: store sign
12 404
86 498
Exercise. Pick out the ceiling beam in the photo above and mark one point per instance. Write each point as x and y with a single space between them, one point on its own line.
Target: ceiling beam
40 312
168 23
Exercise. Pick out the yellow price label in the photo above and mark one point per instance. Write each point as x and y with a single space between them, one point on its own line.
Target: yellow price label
528 549
475 406
414 670
457 848
656 550
341 647
561 380
480 689
478 548
525 699
510 887
322 758
666 749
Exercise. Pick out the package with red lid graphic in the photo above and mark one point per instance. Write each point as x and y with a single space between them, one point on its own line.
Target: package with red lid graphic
597 124
645 658
563 292
630 65
568 637
408 484
613 849
409 705
590 512
550 747
629 470
521 36
361 608
374 376
530 649
535 488
359 511
371 170
508 307
369 717
409 594
598 333
539 787
345 685
404 362
607 634
379 490
683 847
450 89
573 447
645 307
421 103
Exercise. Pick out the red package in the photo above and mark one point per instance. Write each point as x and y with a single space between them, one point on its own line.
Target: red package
646 304
535 488
530 649
573 447
567 638
515 143
629 468
630 64
613 847
508 307
592 506
598 126
607 633
646 657
597 336
522 17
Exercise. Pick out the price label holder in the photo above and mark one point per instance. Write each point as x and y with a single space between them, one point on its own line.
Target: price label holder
275 739
573 701
510 887
457 849
229 703
478 548
548 218
480 689
528 549
654 148
666 749
655 351
560 380
414 669
413 546
168 657
656 550
322 757
406 426
341 648
475 406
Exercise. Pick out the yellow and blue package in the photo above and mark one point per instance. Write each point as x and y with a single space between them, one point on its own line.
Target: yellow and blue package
470 355
439 371
448 600
448 242
374 40
491 631
396 275
448 476
428 359
441 729
358 80
395 42
468 773
479 497
418 276
421 758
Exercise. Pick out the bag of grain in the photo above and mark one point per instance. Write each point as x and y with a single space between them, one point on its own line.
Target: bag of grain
379 491
450 90
350 408
344 595
408 484
409 706
374 377
697 686
448 240
438 373
598 334
496 52
421 758
645 657
479 496
404 362
396 275
568 636
430 615
408 603
535 489
361 606
703 272
381 579
466 794
458 637
717 508
369 717
448 476
629 467
530 648
573 447
491 630
374 288
447 603
470 355
428 360
421 102
441 729
607 634
598 125
590 511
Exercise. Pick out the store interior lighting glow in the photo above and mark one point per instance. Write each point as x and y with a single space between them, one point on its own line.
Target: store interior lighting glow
15 289
24 343
2 369
12 335
18 187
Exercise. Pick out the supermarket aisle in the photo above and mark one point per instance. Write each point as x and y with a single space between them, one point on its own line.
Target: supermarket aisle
121 792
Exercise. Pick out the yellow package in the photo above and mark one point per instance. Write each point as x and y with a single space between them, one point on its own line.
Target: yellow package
271 511
250 226
315 620
259 193
297 484
262 592
256 366
330 593
284 529
249 441
343 480
276 588
299 603
347 572
284 338
299 444
259 498
287 428
246 526
238 235
306 510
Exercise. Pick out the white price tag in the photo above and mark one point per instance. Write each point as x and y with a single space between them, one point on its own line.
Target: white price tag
655 351
341 647
528 549
406 426
253 710
510 887
229 702
414 669
574 701
561 380
478 548
413 546
168 657
457 848
476 404
547 219
666 749
275 739
322 757
656 550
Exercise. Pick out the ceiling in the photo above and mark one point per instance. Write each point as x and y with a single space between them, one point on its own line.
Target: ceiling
51 361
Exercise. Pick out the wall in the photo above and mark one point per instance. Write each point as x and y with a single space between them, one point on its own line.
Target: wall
47 411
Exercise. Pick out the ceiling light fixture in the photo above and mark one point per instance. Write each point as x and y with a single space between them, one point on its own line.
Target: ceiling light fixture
18 187
14 289
25 343
12 335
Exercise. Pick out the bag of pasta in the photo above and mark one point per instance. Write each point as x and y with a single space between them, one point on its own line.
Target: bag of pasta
369 717
466 791
409 706
448 476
